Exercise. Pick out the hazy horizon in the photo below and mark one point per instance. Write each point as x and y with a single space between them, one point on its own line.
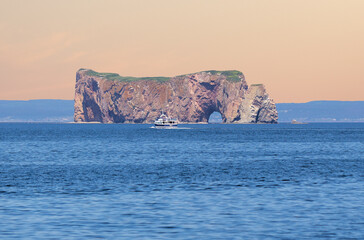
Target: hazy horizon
300 50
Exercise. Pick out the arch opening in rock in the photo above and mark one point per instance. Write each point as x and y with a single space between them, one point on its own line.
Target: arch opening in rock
215 117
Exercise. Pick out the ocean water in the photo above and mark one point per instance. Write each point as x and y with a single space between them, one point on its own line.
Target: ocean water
120 181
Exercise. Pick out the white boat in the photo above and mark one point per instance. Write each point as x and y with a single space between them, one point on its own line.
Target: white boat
165 121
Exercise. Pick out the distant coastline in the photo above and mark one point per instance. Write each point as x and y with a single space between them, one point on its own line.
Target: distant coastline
321 111
55 110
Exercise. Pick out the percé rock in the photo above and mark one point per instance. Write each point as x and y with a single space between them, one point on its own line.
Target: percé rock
191 98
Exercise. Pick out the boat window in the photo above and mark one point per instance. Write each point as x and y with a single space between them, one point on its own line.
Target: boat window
215 117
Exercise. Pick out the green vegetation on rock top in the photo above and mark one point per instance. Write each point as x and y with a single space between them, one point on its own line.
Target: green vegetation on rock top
117 77
233 76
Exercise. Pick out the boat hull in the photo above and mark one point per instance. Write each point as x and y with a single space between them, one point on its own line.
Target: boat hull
165 125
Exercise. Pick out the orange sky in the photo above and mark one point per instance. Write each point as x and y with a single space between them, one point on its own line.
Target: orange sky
302 50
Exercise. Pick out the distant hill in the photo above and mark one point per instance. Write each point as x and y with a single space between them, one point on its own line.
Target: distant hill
43 110
48 110
322 111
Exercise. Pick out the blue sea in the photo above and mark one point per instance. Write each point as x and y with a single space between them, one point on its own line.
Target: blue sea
215 181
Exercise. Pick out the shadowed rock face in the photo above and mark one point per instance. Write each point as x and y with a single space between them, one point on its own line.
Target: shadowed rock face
109 98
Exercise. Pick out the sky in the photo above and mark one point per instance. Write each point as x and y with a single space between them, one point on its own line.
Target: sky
301 50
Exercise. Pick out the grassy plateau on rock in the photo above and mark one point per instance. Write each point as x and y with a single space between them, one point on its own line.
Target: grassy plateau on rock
117 77
232 76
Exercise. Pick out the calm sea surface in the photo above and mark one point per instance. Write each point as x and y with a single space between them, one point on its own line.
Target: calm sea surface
116 181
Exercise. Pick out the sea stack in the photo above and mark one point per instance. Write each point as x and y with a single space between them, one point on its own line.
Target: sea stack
192 98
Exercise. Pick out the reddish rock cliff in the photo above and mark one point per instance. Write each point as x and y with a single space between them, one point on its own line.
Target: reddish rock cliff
110 98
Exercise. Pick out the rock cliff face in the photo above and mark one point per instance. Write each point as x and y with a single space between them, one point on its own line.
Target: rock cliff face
110 98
